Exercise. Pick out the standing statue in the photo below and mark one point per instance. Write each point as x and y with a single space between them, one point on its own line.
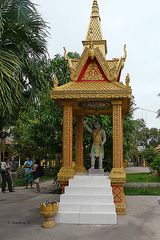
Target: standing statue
99 138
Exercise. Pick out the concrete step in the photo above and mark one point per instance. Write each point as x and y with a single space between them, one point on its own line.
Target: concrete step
87 183
95 181
70 207
92 177
86 218
87 190
88 199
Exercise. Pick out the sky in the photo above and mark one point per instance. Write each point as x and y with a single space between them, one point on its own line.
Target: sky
134 23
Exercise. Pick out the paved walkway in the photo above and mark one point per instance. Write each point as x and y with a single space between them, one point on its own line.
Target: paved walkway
20 219
137 170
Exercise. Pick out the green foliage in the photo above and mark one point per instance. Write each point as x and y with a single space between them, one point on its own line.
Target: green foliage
154 137
142 191
58 66
149 155
20 172
137 134
20 182
22 55
142 177
39 127
129 143
51 171
155 165
129 128
37 131
141 133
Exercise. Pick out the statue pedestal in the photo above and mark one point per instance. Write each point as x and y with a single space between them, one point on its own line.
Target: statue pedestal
96 171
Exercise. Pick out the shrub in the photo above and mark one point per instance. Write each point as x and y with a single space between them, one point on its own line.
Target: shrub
149 155
155 165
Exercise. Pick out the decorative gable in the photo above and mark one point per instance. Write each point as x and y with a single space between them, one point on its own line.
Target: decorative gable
92 71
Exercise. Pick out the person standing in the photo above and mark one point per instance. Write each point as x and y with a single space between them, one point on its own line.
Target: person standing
6 177
14 167
36 174
28 172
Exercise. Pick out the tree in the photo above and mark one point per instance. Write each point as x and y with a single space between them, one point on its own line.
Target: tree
37 132
155 165
154 137
39 127
22 54
141 133
149 155
22 58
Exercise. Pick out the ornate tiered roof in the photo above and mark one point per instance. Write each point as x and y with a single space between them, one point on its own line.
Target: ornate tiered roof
92 90
92 76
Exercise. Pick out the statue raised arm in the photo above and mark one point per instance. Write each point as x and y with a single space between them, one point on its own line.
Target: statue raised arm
99 138
86 126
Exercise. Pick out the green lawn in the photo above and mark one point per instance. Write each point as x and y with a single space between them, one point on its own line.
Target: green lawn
131 177
142 177
21 182
142 191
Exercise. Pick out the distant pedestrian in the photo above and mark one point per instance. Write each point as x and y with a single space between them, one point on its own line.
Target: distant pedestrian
14 167
37 173
6 177
28 165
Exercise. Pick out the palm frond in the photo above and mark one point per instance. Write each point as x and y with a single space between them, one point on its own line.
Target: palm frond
158 113
10 85
22 50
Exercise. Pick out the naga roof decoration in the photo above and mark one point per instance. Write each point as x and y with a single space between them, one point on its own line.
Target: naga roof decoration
92 75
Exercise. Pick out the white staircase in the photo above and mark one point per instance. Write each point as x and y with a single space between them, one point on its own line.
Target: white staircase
87 200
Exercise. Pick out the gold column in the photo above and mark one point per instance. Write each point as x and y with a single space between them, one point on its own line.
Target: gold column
118 175
67 172
79 145
117 135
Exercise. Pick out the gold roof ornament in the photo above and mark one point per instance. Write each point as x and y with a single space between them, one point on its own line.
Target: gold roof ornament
95 28
125 52
55 82
127 80
95 23
92 76
67 59
71 64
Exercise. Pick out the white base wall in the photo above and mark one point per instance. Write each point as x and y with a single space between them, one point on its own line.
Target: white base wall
87 200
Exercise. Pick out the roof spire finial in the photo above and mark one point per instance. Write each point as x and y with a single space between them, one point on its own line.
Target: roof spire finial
95 9
95 23
95 28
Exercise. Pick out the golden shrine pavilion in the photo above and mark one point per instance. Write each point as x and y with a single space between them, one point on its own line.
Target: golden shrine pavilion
94 89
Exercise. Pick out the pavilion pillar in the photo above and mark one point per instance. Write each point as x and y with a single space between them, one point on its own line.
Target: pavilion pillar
118 175
79 145
66 172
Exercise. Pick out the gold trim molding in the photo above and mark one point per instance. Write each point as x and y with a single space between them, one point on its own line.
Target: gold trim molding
65 174
118 175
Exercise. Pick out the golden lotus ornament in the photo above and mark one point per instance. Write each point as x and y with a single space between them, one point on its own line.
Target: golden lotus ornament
48 210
